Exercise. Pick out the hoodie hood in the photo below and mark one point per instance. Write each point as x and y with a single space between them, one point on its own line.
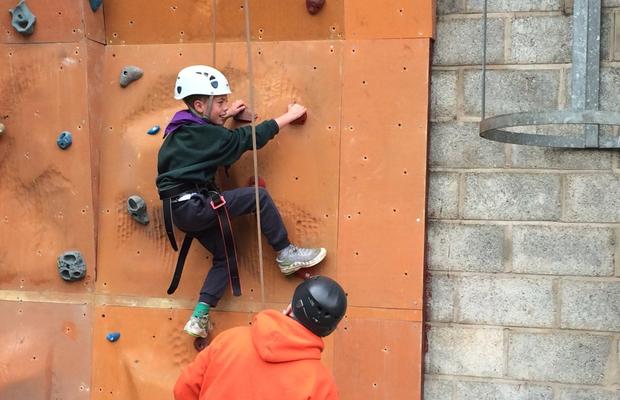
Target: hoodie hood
279 338
183 117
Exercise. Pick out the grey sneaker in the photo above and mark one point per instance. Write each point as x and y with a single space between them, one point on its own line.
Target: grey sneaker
292 258
198 327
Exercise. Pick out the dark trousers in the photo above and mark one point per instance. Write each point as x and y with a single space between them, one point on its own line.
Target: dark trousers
196 217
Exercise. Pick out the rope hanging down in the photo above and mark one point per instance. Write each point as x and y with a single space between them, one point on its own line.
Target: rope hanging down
246 9
248 43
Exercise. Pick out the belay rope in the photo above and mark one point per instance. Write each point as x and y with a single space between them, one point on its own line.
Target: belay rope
248 43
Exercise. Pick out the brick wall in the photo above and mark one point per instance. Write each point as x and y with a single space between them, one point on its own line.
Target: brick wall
524 299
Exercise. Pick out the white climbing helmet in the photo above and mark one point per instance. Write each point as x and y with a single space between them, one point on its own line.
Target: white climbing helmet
200 79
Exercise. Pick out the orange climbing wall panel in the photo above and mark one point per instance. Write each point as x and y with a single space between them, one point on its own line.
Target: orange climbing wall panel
352 179
46 203
185 21
46 351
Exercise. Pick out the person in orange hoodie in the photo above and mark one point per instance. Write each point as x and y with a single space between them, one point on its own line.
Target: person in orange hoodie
277 357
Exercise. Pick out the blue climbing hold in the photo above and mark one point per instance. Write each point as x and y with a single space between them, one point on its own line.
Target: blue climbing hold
153 130
94 4
64 140
113 336
22 18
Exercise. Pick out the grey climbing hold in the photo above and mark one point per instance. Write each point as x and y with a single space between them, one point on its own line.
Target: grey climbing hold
1 129
71 266
129 74
64 140
94 4
23 19
113 336
136 206
153 130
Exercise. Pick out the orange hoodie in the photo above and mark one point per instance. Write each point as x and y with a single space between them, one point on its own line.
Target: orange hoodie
276 358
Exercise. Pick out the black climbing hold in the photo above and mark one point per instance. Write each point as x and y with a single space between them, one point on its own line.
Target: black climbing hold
113 336
153 130
136 207
129 74
22 18
64 140
94 4
71 266
201 343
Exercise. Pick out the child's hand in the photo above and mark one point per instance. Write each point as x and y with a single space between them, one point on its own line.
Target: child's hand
296 110
235 108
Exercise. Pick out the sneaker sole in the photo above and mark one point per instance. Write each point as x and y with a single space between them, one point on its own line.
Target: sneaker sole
195 334
291 269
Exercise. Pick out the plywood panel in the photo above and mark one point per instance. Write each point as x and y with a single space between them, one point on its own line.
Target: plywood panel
57 21
300 165
389 19
188 21
45 351
378 359
152 349
45 195
383 172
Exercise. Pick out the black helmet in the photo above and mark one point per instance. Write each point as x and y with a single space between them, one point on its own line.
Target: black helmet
319 303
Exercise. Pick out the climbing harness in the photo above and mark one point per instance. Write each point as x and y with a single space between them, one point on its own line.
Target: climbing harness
218 204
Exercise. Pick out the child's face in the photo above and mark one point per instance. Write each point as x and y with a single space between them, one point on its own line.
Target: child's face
219 109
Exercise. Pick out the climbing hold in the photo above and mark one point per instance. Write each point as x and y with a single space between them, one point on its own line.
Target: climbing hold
71 266
201 343
64 140
22 18
137 208
245 116
261 181
301 120
129 74
1 129
314 6
153 130
94 4
113 336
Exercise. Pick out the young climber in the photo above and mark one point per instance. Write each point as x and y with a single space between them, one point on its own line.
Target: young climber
195 145
277 357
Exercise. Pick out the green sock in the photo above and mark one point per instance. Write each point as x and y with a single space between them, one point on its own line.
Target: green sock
201 310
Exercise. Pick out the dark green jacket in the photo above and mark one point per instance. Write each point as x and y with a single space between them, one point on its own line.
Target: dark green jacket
193 153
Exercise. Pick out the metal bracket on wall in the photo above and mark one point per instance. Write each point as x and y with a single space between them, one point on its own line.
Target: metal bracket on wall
585 82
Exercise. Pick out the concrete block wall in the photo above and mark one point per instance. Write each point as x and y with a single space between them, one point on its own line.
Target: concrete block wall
523 244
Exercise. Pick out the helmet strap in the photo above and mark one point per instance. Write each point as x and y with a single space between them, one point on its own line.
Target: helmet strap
209 107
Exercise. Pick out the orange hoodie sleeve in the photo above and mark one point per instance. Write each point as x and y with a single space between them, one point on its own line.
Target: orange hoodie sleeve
190 381
326 388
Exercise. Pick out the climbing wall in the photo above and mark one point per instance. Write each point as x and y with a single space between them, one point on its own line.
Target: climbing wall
351 179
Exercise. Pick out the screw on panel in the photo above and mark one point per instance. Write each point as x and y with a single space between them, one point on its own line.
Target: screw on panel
22 18
64 140
129 74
